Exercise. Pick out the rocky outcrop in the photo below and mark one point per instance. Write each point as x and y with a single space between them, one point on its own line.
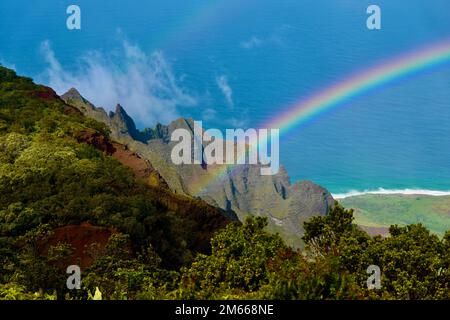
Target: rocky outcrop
142 168
95 139
241 189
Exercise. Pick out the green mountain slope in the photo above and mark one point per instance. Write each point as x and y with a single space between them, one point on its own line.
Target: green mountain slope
49 180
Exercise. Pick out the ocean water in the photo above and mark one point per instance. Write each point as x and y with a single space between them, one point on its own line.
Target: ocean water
239 63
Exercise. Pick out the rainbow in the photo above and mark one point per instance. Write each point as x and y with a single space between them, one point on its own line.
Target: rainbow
359 84
356 85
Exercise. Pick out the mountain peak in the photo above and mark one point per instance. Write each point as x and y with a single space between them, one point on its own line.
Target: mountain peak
120 110
119 118
72 94
124 122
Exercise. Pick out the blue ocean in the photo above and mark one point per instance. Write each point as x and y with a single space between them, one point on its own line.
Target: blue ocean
239 63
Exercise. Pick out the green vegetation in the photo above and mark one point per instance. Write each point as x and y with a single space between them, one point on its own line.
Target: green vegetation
381 211
63 202
49 180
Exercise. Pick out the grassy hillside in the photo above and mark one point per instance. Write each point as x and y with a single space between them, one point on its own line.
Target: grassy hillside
382 211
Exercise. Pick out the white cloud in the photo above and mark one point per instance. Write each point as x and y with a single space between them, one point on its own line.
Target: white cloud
277 37
237 123
222 83
251 43
209 114
144 84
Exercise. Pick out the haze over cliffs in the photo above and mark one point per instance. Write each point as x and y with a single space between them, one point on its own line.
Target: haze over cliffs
241 190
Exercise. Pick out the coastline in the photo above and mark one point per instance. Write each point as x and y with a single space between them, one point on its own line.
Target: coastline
382 191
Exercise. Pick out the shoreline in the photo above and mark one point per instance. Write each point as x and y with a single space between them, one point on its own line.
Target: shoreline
382 191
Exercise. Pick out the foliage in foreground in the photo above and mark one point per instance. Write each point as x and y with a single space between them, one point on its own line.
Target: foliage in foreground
249 263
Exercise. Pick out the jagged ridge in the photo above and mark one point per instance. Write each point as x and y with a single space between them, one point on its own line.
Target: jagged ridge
245 191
